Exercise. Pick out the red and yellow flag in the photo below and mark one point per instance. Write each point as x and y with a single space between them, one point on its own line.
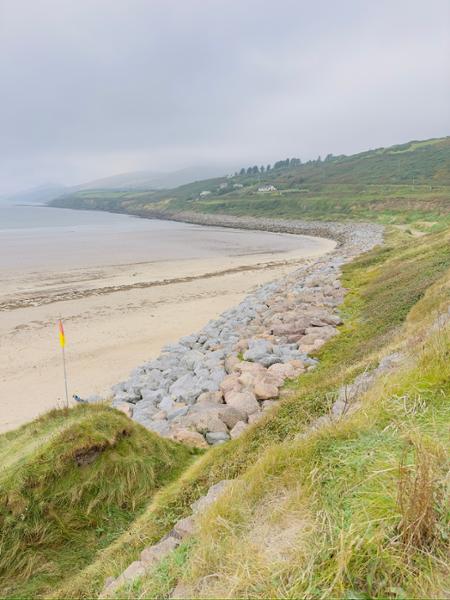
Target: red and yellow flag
62 339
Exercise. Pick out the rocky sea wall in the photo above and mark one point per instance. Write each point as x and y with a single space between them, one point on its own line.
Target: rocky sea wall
211 385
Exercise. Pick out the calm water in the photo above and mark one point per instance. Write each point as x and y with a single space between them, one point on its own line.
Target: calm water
40 238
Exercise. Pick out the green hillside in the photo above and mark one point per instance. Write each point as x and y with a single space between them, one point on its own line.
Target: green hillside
400 184
70 483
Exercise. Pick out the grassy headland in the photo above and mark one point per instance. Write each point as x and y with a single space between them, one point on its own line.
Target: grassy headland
402 184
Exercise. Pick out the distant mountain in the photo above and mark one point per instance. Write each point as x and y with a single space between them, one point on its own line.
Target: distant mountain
38 195
153 180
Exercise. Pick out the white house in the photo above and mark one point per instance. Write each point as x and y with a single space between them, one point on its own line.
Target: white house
237 185
267 188
204 193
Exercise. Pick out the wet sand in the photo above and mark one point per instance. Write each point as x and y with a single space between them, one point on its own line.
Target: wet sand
118 315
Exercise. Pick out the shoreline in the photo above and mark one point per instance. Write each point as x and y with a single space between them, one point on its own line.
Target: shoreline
211 385
42 298
115 317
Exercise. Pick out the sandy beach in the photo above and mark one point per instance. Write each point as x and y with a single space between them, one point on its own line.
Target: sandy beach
116 317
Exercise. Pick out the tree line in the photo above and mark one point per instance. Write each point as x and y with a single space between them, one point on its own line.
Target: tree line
280 164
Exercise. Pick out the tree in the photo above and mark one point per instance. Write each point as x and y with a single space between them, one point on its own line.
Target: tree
268 168
242 171
255 170
249 170
261 169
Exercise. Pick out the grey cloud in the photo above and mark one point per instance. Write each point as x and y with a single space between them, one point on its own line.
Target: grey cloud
92 88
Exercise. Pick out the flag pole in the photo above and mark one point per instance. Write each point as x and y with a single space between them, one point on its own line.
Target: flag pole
62 342
65 376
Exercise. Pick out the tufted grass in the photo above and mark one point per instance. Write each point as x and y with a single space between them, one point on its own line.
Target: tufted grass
70 483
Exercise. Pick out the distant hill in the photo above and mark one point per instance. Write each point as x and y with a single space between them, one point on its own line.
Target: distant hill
405 181
153 180
38 195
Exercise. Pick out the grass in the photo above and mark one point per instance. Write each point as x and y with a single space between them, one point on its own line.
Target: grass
330 502
70 483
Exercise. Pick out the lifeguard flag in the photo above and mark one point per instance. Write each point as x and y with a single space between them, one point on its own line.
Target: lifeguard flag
62 339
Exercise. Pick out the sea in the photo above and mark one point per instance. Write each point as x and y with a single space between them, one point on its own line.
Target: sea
34 237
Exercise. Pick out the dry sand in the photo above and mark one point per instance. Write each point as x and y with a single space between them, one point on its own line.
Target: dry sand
115 317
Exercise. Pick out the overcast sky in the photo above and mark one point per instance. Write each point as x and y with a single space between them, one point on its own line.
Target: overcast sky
90 88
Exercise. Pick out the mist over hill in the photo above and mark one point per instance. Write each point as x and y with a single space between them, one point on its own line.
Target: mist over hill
37 195
154 180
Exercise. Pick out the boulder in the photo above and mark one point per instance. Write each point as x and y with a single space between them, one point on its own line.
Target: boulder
178 410
152 380
254 369
134 570
230 383
210 398
282 370
265 390
217 437
131 396
307 348
154 554
205 418
231 362
257 349
247 380
325 332
244 402
298 365
184 527
153 396
166 404
230 415
161 427
255 417
160 415
186 389
270 359
192 358
213 493
238 429
190 438
241 346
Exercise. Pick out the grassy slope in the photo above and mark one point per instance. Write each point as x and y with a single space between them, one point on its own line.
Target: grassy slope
58 509
401 184
325 507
